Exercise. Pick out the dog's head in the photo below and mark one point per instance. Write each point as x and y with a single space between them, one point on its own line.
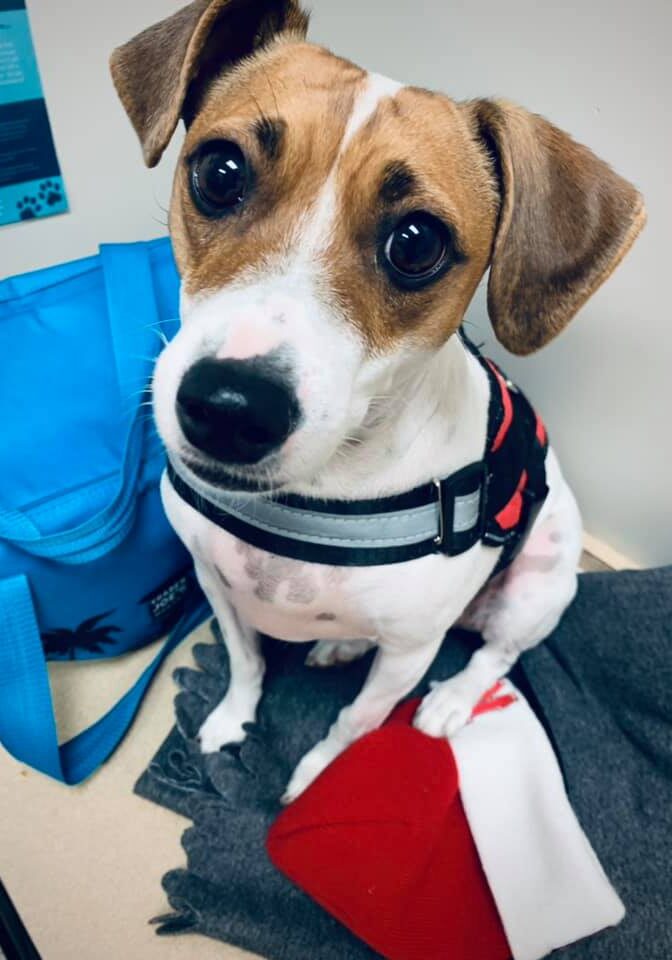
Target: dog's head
331 227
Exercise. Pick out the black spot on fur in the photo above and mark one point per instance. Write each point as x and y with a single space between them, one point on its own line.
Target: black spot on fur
269 134
398 182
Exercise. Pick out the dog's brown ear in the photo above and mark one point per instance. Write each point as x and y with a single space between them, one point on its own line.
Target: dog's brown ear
565 222
161 73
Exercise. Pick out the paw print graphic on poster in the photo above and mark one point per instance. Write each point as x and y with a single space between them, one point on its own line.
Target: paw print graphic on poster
51 193
29 208
48 194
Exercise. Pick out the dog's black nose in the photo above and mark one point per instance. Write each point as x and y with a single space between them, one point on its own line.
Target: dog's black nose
235 410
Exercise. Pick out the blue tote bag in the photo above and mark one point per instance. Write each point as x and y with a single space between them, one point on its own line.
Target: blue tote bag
89 566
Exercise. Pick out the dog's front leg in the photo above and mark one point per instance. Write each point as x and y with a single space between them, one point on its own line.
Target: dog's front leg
396 669
246 670
519 608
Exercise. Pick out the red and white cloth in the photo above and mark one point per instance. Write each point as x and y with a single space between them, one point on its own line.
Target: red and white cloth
430 850
546 880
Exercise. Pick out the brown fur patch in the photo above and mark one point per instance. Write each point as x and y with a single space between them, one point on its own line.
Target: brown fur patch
301 84
429 135
558 219
555 219
162 73
566 222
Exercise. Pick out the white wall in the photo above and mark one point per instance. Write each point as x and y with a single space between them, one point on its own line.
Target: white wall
112 196
598 68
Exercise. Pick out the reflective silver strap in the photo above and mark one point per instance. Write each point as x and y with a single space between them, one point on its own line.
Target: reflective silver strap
467 511
365 530
393 529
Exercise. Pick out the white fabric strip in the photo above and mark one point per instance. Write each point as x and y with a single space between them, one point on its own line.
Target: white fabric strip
547 882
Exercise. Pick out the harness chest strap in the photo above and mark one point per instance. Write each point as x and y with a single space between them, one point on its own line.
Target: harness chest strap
493 500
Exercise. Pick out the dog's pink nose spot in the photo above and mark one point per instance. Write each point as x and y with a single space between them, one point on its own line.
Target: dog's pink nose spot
251 340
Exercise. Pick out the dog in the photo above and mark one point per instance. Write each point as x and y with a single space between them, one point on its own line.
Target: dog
331 227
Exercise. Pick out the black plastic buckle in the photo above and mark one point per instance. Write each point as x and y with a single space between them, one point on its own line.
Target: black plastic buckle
468 482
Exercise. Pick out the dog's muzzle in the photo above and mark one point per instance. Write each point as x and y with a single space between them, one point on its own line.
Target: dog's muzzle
494 500
236 411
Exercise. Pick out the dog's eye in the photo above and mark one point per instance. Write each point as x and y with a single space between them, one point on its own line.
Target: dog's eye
218 177
417 249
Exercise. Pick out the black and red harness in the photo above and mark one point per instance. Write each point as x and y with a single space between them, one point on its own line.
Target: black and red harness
493 500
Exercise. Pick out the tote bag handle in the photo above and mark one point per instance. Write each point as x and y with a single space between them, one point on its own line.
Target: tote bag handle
27 722
132 311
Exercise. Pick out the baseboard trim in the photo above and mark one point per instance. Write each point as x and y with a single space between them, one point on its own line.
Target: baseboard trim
607 555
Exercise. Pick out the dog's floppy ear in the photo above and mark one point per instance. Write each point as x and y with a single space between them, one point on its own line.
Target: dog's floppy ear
161 73
565 222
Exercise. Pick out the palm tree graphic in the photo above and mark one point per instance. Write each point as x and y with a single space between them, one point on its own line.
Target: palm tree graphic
90 637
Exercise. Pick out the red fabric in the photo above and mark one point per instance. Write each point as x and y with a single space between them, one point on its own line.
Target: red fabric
541 431
508 409
509 516
494 699
381 841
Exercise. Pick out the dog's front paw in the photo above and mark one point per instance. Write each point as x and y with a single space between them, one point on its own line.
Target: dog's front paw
224 725
310 767
446 708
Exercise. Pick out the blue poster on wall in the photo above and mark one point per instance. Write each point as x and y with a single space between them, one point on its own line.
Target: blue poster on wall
31 185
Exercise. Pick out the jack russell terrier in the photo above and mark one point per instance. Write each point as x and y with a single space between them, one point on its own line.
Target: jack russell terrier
344 466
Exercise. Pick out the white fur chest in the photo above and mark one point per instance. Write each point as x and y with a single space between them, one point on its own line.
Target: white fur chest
298 601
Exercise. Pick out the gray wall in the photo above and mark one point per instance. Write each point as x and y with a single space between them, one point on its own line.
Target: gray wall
598 68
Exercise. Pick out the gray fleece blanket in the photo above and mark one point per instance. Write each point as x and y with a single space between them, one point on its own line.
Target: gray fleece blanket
601 685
